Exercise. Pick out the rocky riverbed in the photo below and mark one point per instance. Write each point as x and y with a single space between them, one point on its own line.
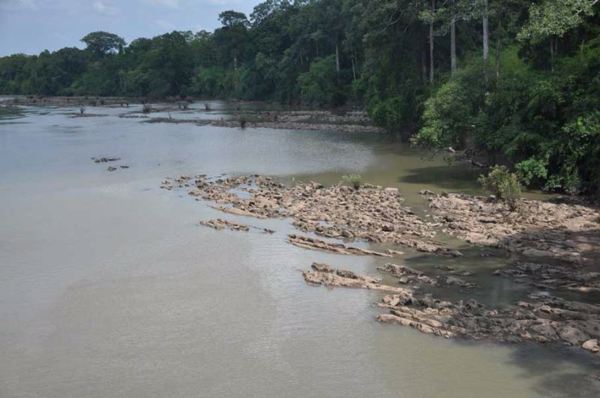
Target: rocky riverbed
544 230
347 122
540 318
237 116
371 213
553 245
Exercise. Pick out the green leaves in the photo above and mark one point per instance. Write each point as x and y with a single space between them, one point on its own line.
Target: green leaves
555 18
318 86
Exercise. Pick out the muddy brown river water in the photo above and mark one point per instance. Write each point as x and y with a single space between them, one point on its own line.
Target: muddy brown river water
110 288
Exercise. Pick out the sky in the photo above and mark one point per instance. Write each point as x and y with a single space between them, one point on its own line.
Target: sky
31 26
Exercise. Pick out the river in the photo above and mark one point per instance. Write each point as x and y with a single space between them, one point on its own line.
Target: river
110 288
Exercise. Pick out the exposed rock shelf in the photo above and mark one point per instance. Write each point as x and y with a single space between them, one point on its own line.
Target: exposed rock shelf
371 213
567 232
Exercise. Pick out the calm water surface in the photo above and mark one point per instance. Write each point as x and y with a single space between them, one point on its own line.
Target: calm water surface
109 288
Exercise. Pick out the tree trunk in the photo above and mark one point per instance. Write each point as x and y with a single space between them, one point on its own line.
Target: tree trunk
431 64
552 54
498 44
337 57
453 45
424 65
486 33
353 67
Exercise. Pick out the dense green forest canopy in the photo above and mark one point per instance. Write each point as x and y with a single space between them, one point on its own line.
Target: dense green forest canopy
515 80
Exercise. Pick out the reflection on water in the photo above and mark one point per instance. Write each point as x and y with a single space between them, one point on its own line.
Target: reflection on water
108 287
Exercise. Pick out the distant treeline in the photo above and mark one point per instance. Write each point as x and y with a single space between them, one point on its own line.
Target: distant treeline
515 80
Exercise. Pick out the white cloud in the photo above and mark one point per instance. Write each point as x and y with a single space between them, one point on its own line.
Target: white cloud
104 8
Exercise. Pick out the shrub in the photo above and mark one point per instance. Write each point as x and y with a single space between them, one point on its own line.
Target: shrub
503 184
353 180
531 170
395 114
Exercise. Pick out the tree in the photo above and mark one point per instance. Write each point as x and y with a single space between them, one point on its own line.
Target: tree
103 43
232 38
553 18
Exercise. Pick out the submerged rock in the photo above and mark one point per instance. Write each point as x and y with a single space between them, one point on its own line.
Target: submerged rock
220 224
105 160
567 276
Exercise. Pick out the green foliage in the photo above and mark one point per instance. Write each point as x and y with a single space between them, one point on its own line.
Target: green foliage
392 113
352 180
555 18
545 123
452 113
503 184
531 170
319 86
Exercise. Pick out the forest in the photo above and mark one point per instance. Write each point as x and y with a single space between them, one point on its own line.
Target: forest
513 82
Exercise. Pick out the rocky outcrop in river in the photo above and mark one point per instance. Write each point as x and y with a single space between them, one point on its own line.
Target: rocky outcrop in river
371 213
540 318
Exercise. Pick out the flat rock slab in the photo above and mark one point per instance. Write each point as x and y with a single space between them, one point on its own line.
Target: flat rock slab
339 248
323 274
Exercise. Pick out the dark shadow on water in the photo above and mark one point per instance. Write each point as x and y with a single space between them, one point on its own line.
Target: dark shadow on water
548 362
562 371
455 177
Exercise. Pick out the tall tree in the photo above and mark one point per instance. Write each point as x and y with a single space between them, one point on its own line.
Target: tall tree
102 43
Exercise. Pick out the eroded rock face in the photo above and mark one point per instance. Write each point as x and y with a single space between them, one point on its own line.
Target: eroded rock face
373 214
567 232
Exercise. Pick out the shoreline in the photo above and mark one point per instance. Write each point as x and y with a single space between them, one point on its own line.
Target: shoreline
346 120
